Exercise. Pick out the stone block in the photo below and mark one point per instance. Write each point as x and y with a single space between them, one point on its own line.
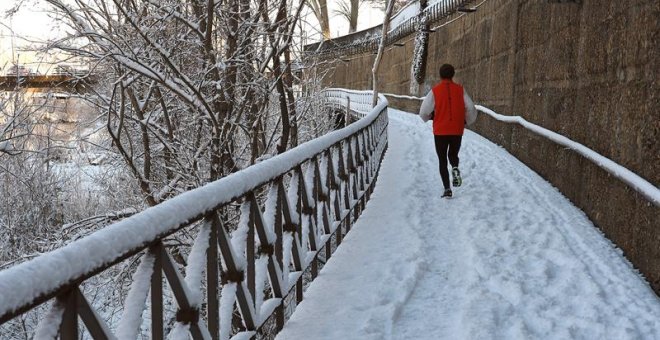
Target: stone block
504 30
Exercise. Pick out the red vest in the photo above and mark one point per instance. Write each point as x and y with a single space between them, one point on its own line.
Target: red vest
449 116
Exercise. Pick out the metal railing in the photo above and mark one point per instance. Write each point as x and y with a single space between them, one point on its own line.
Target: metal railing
293 209
357 103
368 40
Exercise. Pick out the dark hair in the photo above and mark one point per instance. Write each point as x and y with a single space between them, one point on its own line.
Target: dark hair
446 71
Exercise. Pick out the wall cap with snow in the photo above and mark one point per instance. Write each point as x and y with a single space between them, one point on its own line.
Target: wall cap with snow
408 20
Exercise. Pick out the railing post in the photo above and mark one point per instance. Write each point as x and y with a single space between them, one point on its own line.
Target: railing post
344 183
157 294
367 160
321 193
279 248
69 324
187 313
279 232
233 274
212 273
96 327
298 205
250 251
332 200
352 169
298 236
266 248
348 111
309 211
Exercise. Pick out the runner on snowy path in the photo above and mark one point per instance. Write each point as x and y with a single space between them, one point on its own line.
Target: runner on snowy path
451 109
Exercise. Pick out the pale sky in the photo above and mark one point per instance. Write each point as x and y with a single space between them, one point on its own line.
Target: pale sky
33 23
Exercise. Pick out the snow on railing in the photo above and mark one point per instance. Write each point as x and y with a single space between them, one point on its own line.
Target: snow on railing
405 22
639 184
293 206
350 100
642 186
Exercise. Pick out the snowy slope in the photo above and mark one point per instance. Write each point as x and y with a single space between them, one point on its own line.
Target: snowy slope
507 258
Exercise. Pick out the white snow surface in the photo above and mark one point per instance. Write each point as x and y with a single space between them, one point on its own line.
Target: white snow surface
409 11
227 300
49 326
509 257
197 265
134 306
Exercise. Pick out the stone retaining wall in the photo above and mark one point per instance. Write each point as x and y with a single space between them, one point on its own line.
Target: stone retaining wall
587 70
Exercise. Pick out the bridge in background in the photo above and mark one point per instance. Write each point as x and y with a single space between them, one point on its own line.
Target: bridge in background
68 82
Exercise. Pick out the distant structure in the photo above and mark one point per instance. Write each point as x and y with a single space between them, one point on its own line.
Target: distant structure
63 78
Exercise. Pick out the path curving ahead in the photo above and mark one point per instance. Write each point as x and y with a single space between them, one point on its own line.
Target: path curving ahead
508 257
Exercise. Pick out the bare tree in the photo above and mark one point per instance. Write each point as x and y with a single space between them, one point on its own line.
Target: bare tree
320 10
16 123
188 83
188 90
381 48
349 10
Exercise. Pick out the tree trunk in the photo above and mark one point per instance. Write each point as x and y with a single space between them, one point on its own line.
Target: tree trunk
355 8
381 48
324 19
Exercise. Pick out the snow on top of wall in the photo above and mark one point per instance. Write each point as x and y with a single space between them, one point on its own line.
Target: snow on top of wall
44 274
433 2
410 11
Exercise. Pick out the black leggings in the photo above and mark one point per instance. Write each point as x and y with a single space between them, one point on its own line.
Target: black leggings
444 144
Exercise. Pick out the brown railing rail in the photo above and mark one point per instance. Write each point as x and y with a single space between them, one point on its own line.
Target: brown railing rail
294 208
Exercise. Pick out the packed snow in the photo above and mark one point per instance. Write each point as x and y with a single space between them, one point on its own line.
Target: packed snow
509 257
131 319
49 326
408 12
227 300
197 264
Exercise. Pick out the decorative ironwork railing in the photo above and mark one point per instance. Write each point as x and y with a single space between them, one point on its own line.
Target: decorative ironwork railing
353 102
290 211
368 40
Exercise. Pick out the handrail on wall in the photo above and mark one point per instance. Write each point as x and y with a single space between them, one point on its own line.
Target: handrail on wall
292 207
636 182
639 184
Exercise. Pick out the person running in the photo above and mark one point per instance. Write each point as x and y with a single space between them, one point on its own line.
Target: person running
451 109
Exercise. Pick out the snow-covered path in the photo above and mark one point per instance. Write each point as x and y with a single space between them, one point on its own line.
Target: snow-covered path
507 258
